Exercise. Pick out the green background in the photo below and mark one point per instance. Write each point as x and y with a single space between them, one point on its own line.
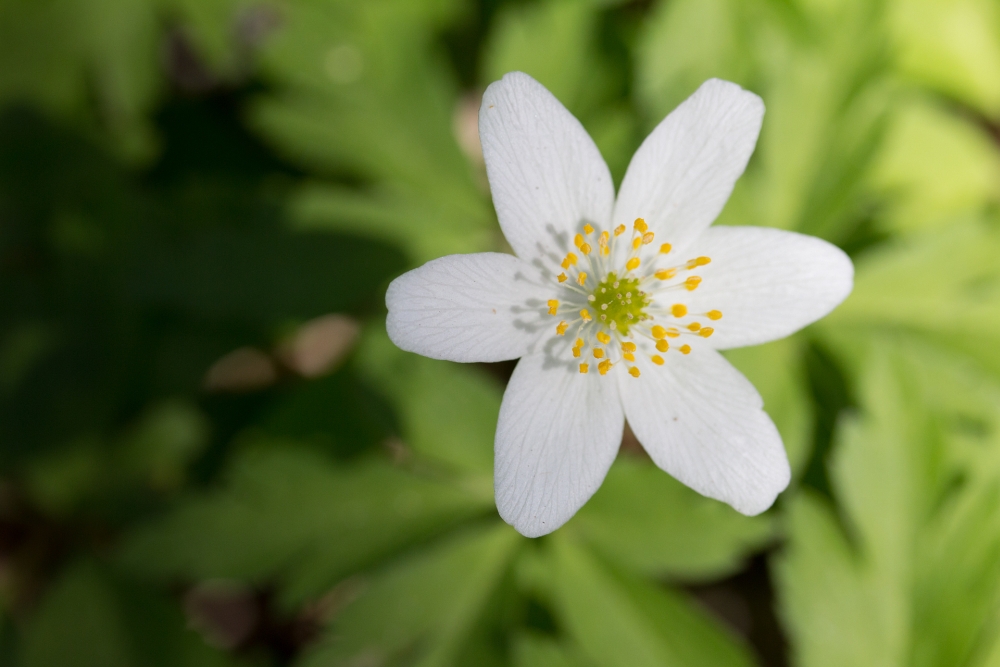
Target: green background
211 454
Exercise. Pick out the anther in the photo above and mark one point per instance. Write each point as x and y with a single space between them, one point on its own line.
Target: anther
657 359
665 248
662 345
561 328
553 306
636 242
633 371
678 310
714 314
598 353
698 261
694 326
603 337
561 277
619 230
640 225
588 230
576 352
647 238
665 274
569 261
685 349
585 315
579 342
628 346
585 248
673 333
582 278
706 332
578 240
632 264
584 368
604 366
628 356
692 283
659 332
604 238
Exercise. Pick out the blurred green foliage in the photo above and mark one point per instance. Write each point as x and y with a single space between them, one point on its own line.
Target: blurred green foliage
198 466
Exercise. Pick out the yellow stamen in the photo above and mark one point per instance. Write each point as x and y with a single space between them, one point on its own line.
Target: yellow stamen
619 230
694 326
685 349
605 250
665 274
662 345
569 261
714 314
636 242
678 310
604 366
585 315
588 230
585 248
657 359
647 238
706 332
584 368
640 225
576 352
561 328
632 264
698 261
692 283
582 278
578 240
561 277
665 248
579 342
598 353
673 333
604 238
659 332
628 347
633 371
603 337
553 306
628 356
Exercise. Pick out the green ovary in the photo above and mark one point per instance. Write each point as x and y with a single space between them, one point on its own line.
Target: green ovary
624 301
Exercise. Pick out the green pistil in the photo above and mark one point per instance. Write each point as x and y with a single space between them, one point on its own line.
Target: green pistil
624 301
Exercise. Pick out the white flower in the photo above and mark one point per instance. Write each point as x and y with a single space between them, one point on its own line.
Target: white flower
617 307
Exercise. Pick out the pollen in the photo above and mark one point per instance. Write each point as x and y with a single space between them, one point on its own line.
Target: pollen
561 328
659 332
636 242
578 240
628 356
582 278
569 261
598 353
588 230
685 349
665 274
647 238
706 332
633 371
603 337
553 306
584 368
694 326
665 248
678 310
604 366
561 277
662 345
585 315
657 359
714 315
698 261
576 352
628 347
691 284
640 225
632 264
619 230
585 248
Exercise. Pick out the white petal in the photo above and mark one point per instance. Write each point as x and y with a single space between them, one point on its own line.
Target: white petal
767 283
546 175
701 421
480 307
557 436
685 170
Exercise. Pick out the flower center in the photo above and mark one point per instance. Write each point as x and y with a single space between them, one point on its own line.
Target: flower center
619 302
618 312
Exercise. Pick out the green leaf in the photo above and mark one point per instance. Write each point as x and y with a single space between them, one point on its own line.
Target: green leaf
321 522
531 650
420 610
951 46
619 620
448 412
644 520
935 166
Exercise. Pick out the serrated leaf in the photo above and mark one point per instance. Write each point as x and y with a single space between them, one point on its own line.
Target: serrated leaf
420 610
644 520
